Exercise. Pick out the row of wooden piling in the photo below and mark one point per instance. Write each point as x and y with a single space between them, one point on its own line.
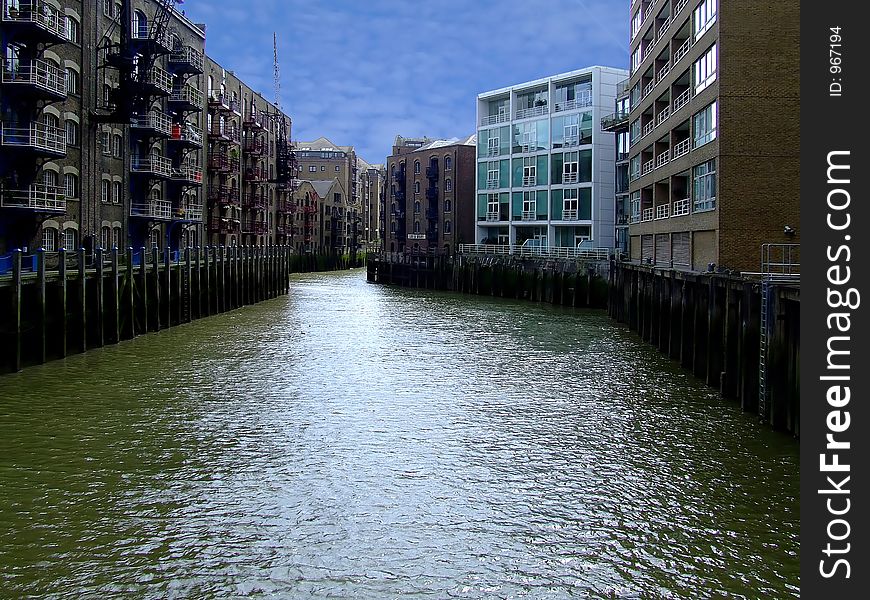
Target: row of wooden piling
710 323
53 313
564 283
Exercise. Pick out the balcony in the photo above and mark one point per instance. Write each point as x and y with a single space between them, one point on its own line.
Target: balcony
187 134
223 225
648 166
530 180
37 198
431 193
493 216
432 172
647 215
309 210
36 137
224 195
663 159
647 129
220 102
535 111
648 88
254 227
188 174
681 207
158 81
493 119
254 146
662 211
682 148
153 165
187 60
254 119
187 98
570 178
682 51
160 44
38 76
190 212
286 207
529 215
254 200
683 99
663 72
614 121
42 20
570 214
158 210
492 184
582 102
256 175
663 116
222 162
153 122
225 133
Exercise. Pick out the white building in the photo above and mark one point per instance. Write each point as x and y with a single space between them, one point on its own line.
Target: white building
545 169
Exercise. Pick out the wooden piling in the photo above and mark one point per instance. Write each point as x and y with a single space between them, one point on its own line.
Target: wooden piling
64 320
99 308
83 304
41 302
16 310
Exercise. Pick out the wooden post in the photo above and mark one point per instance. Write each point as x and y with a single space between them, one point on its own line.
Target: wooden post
167 264
83 304
16 310
61 257
100 304
179 289
143 288
155 260
222 301
188 297
198 282
207 281
41 301
116 298
129 298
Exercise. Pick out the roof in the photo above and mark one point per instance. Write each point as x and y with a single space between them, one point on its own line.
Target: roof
321 144
322 187
466 141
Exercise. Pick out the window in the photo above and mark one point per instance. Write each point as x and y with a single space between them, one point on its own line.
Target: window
492 147
117 145
570 204
416 226
106 191
634 131
448 227
416 187
72 29
105 236
704 185
448 205
448 163
140 25
72 133
571 168
154 238
417 207
49 179
72 81
492 178
635 207
636 22
105 143
448 185
704 17
116 237
416 166
312 169
634 167
116 192
71 185
322 167
704 123
49 239
337 168
530 205
705 69
530 171
635 60
492 205
69 238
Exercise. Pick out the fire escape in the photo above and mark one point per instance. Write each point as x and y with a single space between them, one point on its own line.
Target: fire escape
432 208
286 181
139 99
224 164
256 176
309 221
398 212
28 136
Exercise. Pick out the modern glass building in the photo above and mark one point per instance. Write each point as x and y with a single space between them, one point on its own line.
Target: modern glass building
545 169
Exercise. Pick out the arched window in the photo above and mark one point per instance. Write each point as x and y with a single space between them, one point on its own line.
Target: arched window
72 29
72 81
448 185
140 25
49 239
105 191
71 185
416 226
72 133
393 227
105 236
416 166
70 237
448 205
448 163
49 179
117 145
417 207
417 186
116 237
116 192
448 227
50 121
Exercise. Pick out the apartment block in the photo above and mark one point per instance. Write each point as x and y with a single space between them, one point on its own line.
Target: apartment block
100 148
429 198
713 131
617 123
251 165
545 169
371 184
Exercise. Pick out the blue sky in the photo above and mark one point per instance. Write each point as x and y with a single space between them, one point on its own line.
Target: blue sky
360 72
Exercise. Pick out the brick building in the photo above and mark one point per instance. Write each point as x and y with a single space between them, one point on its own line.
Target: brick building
429 197
714 131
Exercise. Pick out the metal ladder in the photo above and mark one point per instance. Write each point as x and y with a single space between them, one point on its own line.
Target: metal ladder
766 290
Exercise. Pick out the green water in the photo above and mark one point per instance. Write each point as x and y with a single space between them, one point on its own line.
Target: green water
356 441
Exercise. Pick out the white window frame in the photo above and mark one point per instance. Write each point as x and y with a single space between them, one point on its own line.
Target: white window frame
116 192
492 175
530 206
492 148
49 239
704 69
105 191
570 203
70 236
530 171
704 124
703 17
70 185
571 167
706 181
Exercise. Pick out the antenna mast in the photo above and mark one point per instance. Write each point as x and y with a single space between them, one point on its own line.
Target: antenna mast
277 71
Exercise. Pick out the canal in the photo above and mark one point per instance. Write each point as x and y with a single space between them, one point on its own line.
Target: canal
358 441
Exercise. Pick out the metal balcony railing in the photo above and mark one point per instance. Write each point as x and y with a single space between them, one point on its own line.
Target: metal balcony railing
683 99
37 197
159 80
568 252
681 207
614 120
569 214
529 215
648 88
663 116
36 135
584 101
530 180
662 211
187 133
187 94
647 129
189 212
534 111
648 166
142 34
37 73
159 166
254 200
153 121
663 158
493 216
682 51
188 174
38 13
647 215
153 209
187 59
224 225
493 119
682 148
